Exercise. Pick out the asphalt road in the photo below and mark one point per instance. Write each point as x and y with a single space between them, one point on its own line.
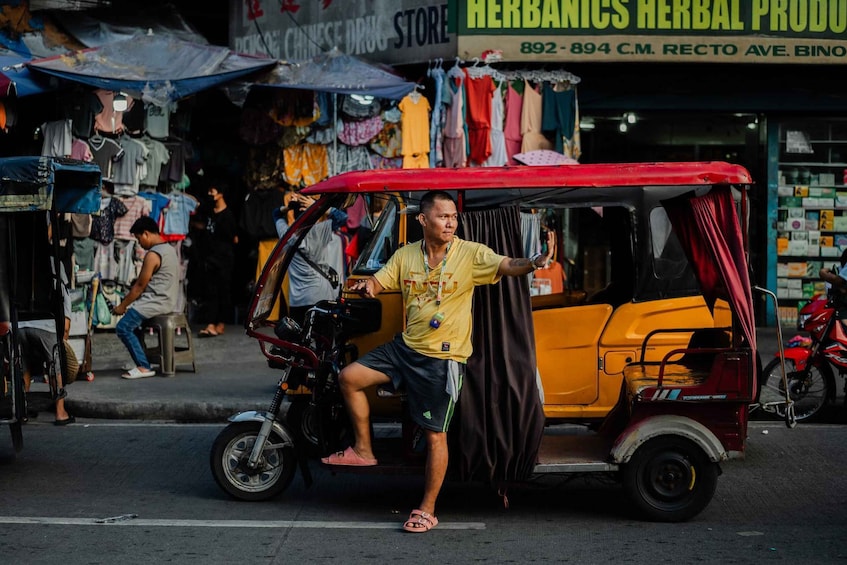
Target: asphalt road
132 492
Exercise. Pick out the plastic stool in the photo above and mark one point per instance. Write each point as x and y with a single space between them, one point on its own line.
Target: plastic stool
167 327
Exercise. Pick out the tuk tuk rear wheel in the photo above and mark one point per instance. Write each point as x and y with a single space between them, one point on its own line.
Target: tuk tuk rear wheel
229 457
670 479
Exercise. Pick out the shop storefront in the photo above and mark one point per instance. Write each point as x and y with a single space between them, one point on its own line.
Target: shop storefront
658 80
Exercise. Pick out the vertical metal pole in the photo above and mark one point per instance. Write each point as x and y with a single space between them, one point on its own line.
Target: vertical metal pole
334 160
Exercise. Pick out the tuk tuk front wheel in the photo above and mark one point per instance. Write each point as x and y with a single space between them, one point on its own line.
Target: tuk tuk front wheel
229 457
670 479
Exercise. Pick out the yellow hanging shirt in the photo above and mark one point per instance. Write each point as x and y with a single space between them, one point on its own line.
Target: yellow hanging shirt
468 264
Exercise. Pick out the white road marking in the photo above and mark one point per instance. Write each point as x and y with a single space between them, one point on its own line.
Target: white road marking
287 524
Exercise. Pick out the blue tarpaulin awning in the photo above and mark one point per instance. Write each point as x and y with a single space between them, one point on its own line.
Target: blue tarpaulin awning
336 72
17 80
156 69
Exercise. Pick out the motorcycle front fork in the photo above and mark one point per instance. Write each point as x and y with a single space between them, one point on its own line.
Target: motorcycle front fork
267 424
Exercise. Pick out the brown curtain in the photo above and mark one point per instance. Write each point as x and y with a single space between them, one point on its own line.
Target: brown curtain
499 419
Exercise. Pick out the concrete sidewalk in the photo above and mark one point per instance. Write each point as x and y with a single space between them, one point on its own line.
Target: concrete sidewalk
232 376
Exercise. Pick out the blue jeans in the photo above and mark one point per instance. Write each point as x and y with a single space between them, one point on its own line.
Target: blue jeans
125 329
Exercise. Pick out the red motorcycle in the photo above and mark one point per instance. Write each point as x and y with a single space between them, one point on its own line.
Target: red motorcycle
809 363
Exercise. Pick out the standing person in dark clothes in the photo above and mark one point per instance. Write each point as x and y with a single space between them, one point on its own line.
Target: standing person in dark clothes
220 262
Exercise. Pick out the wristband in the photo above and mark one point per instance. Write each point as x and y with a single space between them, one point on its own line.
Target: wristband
533 260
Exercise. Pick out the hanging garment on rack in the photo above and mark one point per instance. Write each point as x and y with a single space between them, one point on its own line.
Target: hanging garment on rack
158 202
305 164
133 119
294 108
84 248
157 157
125 171
58 138
512 126
531 121
558 113
81 151
80 108
157 120
105 151
108 119
104 260
177 212
415 127
361 132
103 226
479 92
389 142
136 206
436 123
455 145
498 156
128 266
175 169
351 158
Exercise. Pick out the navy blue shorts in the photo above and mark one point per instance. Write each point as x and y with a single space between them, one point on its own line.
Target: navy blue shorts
424 378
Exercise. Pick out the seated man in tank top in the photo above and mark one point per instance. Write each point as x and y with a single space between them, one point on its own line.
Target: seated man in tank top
154 293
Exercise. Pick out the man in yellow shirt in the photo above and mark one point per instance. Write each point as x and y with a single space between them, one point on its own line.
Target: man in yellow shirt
436 277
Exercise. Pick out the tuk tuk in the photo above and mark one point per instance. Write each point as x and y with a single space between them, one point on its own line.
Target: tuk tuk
650 342
33 189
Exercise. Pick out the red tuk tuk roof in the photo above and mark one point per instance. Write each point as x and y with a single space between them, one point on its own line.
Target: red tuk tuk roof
517 177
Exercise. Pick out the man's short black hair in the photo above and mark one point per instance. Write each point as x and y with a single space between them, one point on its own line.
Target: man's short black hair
221 186
143 224
428 200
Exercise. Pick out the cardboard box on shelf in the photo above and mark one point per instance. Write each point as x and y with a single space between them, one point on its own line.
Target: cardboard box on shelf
797 269
790 201
827 241
825 179
783 190
782 246
830 252
827 220
798 247
840 223
814 237
795 293
782 268
795 283
813 268
781 282
813 219
801 191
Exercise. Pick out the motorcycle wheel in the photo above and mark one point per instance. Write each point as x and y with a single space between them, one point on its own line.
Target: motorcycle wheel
670 479
809 394
229 457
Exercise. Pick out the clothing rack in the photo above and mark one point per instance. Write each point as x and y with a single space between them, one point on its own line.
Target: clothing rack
476 70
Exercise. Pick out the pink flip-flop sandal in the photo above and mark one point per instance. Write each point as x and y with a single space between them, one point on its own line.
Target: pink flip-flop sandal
349 458
420 522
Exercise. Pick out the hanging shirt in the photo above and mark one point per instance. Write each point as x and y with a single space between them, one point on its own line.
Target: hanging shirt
157 157
58 138
479 92
157 120
558 113
512 125
498 156
415 124
455 148
109 120
180 207
125 170
531 121
157 201
436 124
105 151
103 226
81 151
136 206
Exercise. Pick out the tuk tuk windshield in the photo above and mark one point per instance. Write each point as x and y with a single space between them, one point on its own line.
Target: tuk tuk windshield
381 241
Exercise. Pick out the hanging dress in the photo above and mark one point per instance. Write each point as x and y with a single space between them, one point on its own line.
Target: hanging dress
533 139
498 156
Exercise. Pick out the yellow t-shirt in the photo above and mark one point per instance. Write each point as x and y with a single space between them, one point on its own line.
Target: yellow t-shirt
468 264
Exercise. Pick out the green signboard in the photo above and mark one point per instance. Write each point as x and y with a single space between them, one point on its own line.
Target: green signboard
736 31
